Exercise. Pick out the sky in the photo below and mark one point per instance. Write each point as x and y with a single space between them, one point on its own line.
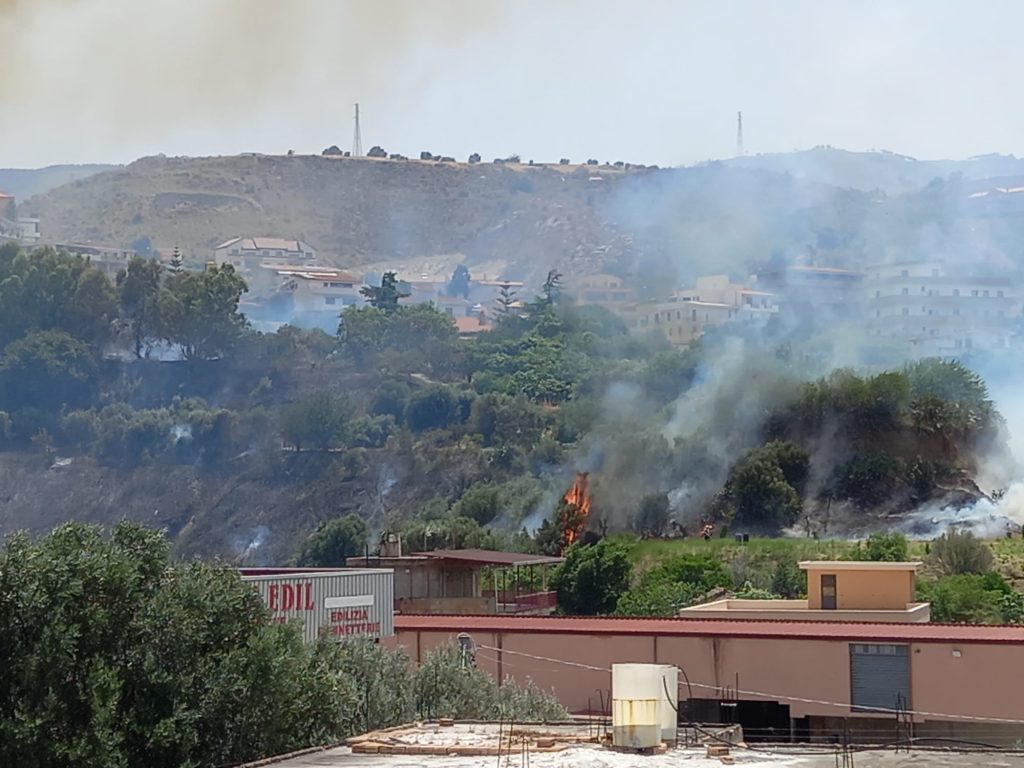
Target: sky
641 81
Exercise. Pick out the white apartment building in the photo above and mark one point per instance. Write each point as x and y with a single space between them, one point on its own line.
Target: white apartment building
320 290
939 309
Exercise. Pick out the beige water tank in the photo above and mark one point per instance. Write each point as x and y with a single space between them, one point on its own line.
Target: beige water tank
669 703
637 694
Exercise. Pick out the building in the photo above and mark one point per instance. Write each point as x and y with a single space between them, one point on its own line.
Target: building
328 601
108 260
246 253
789 679
686 315
814 293
936 310
836 591
318 289
467 581
604 290
22 229
473 324
486 293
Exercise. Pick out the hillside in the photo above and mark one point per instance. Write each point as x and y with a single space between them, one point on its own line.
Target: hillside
354 211
663 226
23 183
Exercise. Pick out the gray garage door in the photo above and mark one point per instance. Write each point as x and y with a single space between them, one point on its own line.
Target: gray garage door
879 677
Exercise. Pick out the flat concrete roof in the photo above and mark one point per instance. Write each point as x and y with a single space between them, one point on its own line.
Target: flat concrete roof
856 565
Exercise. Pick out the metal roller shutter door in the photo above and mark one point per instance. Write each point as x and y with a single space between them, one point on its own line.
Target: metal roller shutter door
879 677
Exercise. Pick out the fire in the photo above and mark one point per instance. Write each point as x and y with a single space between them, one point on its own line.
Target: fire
574 510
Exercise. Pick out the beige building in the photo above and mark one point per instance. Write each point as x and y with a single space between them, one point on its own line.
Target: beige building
604 290
836 591
686 315
319 289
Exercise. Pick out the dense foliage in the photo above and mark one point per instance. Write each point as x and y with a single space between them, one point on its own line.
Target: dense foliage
110 655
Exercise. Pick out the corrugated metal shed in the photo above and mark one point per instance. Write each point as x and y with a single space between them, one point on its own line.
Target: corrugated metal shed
807 630
351 601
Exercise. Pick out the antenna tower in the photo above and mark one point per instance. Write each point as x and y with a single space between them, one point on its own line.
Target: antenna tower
357 137
739 132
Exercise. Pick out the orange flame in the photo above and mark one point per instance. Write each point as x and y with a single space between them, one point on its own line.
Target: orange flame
574 510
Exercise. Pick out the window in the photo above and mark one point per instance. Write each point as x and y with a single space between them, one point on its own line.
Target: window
693 314
904 273
330 300
935 273
679 314
974 292
878 313
906 291
326 285
956 291
956 312
985 294
906 310
999 294
878 294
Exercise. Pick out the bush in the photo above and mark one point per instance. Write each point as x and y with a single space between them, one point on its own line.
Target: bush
320 421
333 541
660 598
971 597
883 547
592 578
959 552
433 407
652 516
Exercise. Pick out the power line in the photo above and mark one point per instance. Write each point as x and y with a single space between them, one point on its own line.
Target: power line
777 697
739 134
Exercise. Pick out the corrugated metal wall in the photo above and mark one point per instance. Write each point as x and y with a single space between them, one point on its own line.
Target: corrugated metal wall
879 676
339 603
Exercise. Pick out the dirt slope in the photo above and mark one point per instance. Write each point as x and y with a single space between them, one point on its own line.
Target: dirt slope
354 211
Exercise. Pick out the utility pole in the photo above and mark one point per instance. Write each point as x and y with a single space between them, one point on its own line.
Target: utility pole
357 138
739 132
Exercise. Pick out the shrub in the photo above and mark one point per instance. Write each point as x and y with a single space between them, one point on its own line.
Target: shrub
883 547
592 578
959 552
332 542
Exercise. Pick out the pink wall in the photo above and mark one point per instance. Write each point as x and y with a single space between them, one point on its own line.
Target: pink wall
984 681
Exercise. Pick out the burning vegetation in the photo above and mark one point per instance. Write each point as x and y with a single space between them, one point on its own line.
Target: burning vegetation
573 510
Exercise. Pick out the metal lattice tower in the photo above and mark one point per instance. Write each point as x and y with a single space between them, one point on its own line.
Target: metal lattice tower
357 137
739 134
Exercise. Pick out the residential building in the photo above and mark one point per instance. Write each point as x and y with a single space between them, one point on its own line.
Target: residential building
486 292
604 290
23 229
812 293
836 591
938 309
714 300
108 260
319 289
246 253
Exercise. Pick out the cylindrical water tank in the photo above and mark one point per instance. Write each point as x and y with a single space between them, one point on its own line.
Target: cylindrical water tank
637 694
669 703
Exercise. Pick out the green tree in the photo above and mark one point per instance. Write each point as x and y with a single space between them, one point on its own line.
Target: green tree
764 488
385 296
432 407
592 578
199 314
46 369
111 656
320 421
459 284
658 598
968 597
138 290
334 541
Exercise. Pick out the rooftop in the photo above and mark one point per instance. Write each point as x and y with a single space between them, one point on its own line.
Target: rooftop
856 565
872 632
485 557
263 243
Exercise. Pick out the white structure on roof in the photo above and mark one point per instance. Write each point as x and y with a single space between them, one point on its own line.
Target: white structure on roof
245 253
